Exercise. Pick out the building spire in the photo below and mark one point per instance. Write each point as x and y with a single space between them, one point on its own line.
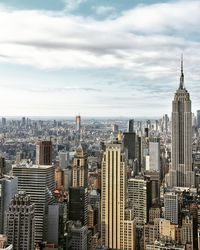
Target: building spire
181 86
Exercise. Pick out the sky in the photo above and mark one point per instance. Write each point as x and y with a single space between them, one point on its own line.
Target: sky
97 57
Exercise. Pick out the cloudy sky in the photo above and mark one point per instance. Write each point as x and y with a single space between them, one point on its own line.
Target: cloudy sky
97 57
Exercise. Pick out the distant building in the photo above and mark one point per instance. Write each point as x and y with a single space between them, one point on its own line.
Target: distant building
130 144
78 124
2 166
80 168
8 188
20 222
198 118
78 201
55 226
171 207
44 153
139 199
131 126
63 159
154 153
79 237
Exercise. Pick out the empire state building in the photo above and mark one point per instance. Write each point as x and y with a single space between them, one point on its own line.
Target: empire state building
181 174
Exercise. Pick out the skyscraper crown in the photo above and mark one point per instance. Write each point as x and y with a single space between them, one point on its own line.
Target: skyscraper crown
181 85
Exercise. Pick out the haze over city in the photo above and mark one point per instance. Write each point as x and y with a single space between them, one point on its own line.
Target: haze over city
96 58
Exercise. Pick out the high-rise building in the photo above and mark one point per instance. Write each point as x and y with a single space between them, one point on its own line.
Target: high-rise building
181 173
198 118
78 204
130 144
8 188
63 159
39 182
131 126
80 168
171 207
56 219
139 199
154 153
20 223
44 153
117 224
79 237
2 166
3 122
78 124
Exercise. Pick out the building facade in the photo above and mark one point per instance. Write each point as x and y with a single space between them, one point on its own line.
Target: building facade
114 221
20 222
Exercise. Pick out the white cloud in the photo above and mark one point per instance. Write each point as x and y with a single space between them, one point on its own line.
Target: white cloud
71 5
104 10
146 42
146 38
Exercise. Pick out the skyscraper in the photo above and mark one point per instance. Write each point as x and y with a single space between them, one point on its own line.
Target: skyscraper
78 192
171 207
154 153
20 226
38 182
78 204
78 124
198 118
181 174
131 125
44 153
80 168
8 188
117 223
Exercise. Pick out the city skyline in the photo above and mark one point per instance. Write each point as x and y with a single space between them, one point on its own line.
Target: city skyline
51 65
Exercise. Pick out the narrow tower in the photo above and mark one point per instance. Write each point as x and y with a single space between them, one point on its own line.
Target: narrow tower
181 174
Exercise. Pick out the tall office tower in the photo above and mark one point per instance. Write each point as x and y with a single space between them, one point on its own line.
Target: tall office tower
38 182
171 207
181 173
154 153
131 126
8 188
20 224
63 159
78 204
19 157
2 166
187 231
56 223
78 124
67 179
80 167
23 123
79 237
139 199
153 179
44 153
166 121
130 144
3 122
114 221
198 118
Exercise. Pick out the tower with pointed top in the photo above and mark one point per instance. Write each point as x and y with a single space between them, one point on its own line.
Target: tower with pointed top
181 174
